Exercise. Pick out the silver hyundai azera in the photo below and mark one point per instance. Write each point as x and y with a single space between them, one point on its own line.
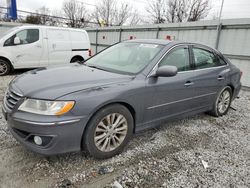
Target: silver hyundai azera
130 86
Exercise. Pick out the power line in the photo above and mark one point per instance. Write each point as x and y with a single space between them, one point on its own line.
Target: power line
57 17
87 3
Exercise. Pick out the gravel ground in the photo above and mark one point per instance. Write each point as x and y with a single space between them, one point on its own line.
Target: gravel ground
200 151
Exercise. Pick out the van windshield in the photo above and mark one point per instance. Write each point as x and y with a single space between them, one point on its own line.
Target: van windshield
7 31
125 57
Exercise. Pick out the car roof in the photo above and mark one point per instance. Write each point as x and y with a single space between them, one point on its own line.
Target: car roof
168 42
151 41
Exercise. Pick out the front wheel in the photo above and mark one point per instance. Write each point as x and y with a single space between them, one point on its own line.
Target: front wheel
108 132
4 67
222 103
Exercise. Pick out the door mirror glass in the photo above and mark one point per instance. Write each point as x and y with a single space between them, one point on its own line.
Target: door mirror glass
17 40
166 71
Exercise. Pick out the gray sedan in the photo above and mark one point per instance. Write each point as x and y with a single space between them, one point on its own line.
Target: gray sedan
128 87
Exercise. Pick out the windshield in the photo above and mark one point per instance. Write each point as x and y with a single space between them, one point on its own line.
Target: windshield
7 31
125 57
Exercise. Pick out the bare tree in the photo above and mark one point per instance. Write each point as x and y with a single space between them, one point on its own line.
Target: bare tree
75 12
134 19
109 13
156 9
177 10
199 9
44 13
187 10
33 19
122 14
105 12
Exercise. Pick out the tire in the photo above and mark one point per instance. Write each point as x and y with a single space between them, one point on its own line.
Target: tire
95 135
76 60
5 67
222 102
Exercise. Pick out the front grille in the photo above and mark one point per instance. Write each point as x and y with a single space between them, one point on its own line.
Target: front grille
11 99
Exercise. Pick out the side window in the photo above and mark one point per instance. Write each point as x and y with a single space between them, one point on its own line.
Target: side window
205 59
178 57
26 36
222 61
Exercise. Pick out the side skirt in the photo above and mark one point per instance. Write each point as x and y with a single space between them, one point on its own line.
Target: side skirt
158 122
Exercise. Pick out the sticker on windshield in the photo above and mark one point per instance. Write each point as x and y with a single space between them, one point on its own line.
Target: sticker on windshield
149 45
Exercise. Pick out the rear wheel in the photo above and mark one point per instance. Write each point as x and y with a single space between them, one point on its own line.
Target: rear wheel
4 67
222 103
76 60
108 132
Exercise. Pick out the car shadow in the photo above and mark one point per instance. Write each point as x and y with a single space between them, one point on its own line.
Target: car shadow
18 71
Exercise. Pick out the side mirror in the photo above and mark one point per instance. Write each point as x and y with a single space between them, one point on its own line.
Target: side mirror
17 40
166 71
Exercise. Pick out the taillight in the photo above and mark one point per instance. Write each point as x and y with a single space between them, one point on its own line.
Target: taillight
90 52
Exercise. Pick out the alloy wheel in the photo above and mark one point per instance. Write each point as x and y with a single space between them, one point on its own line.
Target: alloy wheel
3 68
110 132
223 101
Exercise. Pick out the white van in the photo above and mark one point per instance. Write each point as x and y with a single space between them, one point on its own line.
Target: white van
40 46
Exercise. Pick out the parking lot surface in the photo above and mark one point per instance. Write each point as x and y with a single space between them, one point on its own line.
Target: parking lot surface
199 151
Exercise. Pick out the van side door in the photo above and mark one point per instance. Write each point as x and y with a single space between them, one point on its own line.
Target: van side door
59 46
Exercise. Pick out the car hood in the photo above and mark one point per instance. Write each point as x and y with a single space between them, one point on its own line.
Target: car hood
52 83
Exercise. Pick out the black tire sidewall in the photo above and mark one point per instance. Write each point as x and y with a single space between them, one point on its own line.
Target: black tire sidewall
8 67
216 102
76 60
88 136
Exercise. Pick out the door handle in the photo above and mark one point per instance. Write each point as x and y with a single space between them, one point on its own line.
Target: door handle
220 77
188 83
38 46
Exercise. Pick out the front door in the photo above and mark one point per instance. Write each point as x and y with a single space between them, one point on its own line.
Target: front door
28 53
171 96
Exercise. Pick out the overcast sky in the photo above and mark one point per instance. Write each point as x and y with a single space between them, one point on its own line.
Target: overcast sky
232 8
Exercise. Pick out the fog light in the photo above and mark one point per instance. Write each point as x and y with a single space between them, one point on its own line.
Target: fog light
38 140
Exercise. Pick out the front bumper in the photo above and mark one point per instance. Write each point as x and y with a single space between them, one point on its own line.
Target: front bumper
59 137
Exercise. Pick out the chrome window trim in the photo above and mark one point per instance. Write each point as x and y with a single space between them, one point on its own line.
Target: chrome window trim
196 70
186 99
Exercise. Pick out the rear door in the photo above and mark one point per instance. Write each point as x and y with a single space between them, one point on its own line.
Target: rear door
59 46
171 96
80 43
210 75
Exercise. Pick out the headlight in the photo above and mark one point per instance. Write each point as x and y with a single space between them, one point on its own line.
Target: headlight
46 107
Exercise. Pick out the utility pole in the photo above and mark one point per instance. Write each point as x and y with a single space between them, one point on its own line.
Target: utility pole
221 7
219 26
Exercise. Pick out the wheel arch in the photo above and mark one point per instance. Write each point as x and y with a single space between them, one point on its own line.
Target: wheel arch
77 56
125 104
232 88
6 59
